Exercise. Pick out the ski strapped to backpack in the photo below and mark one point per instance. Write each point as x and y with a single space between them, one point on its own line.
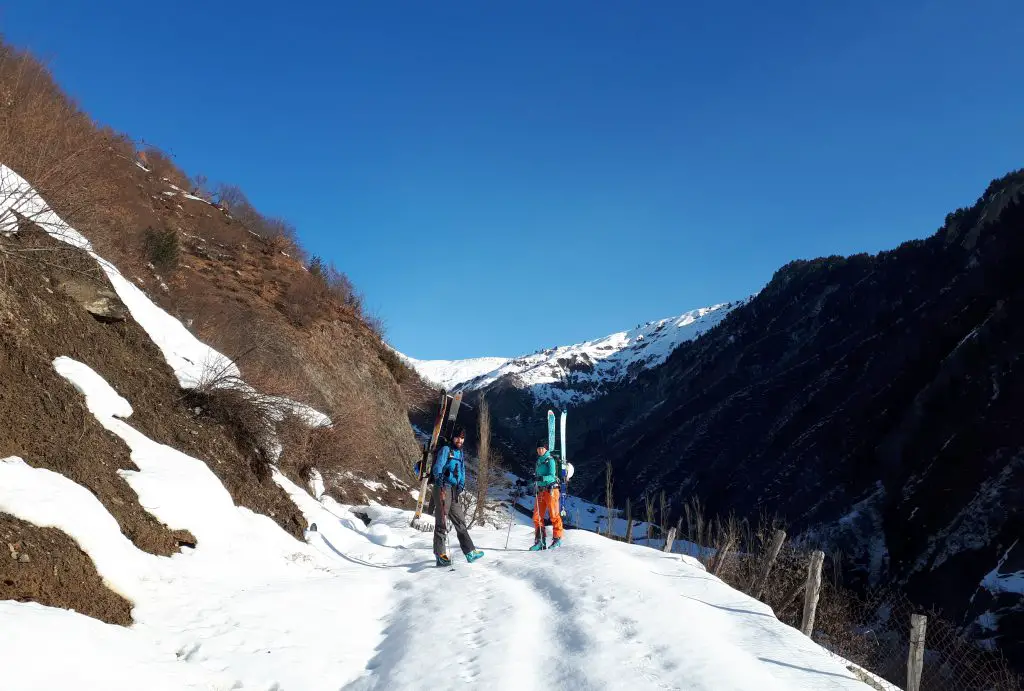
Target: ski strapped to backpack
551 430
450 405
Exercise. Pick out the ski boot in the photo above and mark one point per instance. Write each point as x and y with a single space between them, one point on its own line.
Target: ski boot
556 543
474 555
443 560
540 540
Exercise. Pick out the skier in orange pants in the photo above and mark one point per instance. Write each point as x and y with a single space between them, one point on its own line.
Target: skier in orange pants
546 479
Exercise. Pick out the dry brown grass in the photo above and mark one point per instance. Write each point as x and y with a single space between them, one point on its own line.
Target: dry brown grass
89 176
49 141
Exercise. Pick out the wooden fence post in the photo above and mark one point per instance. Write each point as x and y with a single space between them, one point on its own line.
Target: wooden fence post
773 553
719 559
812 591
915 660
669 540
629 522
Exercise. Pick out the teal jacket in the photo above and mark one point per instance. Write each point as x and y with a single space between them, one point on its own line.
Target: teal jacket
546 473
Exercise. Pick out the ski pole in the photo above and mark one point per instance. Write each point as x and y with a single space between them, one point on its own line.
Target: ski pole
448 530
511 516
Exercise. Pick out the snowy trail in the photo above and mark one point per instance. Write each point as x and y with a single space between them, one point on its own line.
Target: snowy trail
593 615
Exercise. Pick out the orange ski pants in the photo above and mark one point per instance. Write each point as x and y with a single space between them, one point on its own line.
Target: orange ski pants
547 501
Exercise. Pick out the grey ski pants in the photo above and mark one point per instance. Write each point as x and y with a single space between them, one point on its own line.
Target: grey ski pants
444 503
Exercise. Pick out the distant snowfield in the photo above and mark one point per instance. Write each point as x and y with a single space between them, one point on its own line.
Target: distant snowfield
448 374
577 373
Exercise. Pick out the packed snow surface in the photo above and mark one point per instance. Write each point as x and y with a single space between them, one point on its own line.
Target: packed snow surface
580 372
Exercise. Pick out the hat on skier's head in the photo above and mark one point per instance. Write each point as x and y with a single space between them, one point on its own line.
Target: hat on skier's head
459 432
542 444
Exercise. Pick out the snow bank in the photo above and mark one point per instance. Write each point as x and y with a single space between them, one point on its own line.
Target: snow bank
249 600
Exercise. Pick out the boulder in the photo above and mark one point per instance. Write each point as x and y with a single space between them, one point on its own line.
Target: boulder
98 300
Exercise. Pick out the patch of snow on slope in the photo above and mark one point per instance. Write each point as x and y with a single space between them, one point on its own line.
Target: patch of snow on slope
997 583
189 357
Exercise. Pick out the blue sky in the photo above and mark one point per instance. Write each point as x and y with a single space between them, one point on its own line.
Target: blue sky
560 170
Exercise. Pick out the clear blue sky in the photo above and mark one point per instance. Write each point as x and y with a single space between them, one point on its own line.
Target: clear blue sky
576 166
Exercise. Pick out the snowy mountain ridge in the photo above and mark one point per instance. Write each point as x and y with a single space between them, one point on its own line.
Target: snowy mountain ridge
580 372
449 374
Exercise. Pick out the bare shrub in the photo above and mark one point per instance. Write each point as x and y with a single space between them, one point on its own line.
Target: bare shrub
162 166
200 187
248 416
398 369
279 229
162 248
376 324
302 300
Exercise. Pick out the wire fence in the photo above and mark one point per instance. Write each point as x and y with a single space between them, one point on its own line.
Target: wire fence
872 629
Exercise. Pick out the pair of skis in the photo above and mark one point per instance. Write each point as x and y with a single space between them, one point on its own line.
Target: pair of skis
564 467
450 405
564 470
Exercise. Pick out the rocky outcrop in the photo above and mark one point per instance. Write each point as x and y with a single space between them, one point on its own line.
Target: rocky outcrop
99 301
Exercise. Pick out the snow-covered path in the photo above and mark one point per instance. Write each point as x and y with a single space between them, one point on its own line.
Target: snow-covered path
593 615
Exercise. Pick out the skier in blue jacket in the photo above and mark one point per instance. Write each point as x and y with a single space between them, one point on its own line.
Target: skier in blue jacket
449 475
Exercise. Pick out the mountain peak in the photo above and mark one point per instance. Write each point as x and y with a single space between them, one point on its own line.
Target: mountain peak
580 372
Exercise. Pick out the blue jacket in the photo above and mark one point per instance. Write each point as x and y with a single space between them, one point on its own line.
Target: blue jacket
449 467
